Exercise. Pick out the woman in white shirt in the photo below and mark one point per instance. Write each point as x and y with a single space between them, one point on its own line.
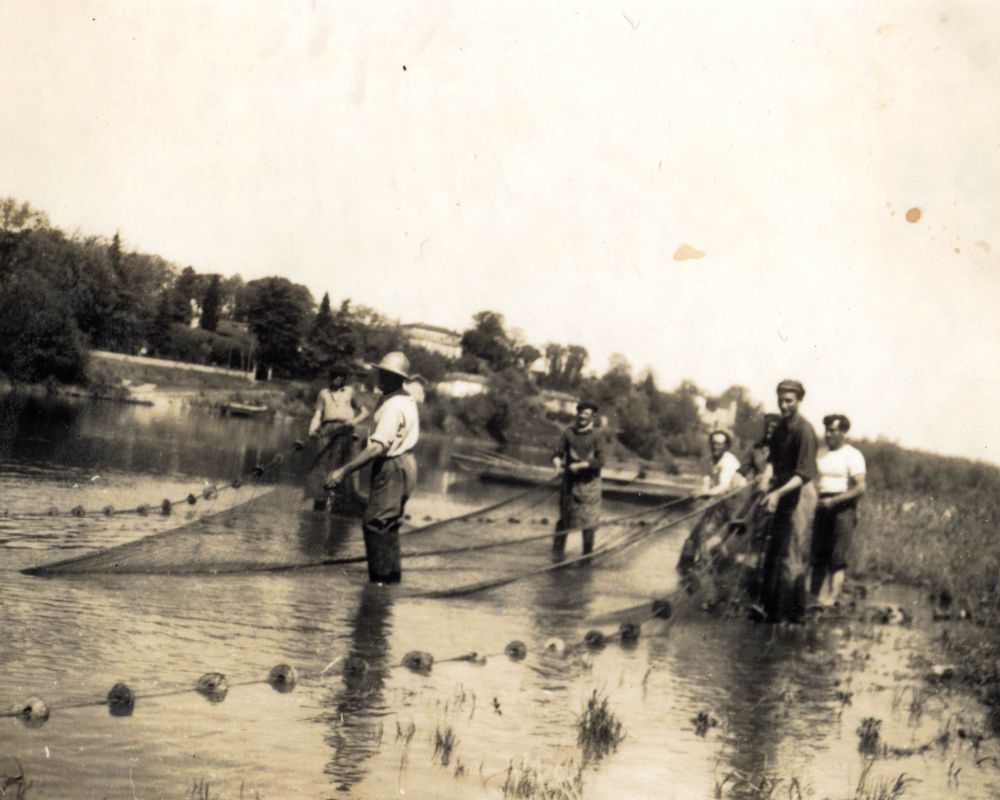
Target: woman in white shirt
840 485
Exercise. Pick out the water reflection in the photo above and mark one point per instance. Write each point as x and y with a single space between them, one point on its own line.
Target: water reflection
358 707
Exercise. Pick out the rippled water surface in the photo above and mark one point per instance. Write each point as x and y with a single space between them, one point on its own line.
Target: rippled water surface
782 706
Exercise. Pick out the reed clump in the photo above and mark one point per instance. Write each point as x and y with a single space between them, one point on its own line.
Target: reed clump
562 782
445 742
202 790
881 788
599 731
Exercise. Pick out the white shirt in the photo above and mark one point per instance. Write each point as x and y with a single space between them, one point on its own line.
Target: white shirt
724 474
837 467
397 424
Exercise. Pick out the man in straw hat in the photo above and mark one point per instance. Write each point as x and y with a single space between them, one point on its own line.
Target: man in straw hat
394 468
578 458
791 501
332 427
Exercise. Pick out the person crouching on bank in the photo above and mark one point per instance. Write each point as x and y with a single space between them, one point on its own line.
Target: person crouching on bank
394 468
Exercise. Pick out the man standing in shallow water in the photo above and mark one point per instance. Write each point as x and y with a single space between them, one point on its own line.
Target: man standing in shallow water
394 468
332 426
791 500
579 458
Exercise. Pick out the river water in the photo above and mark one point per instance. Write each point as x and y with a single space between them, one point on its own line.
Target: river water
782 707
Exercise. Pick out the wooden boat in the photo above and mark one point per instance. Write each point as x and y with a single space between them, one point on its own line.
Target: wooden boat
245 410
616 481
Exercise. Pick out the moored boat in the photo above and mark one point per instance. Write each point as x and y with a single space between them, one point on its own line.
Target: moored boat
616 481
245 410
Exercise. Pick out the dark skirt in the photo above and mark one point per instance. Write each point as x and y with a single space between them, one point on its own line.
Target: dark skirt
833 533
580 505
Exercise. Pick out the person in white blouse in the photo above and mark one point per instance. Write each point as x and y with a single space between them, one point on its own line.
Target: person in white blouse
724 474
840 485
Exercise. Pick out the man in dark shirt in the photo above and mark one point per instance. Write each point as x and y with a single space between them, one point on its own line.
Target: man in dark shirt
791 500
579 458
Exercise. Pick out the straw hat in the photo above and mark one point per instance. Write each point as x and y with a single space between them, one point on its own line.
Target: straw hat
395 363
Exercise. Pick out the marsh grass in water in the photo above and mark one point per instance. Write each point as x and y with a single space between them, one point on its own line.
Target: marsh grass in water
562 782
202 790
881 788
758 785
445 743
599 731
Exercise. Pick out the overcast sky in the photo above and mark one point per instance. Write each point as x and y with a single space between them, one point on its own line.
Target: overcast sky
552 161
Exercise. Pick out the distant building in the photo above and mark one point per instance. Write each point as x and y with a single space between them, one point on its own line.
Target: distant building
559 403
437 340
461 384
714 416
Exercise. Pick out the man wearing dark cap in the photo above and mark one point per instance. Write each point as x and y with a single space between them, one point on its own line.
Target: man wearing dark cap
757 467
791 500
579 458
394 468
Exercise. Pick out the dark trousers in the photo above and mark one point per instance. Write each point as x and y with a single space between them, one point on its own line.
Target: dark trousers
831 542
559 541
786 556
392 482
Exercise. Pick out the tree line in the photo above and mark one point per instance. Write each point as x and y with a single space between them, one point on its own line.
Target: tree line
62 295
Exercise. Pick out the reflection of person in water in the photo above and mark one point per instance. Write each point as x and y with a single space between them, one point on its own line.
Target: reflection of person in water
357 708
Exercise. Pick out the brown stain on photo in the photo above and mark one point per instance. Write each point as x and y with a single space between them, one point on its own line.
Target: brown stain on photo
984 246
913 215
686 252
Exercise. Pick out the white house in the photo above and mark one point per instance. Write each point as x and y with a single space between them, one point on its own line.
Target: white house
433 338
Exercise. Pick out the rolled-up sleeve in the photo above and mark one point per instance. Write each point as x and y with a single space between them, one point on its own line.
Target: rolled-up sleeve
389 425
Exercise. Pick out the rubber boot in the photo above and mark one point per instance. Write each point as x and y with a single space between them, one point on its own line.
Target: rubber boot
588 541
558 546
383 551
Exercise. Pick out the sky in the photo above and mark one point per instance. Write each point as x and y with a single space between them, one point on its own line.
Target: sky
556 162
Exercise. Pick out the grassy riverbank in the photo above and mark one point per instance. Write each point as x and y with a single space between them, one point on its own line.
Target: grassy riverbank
931 521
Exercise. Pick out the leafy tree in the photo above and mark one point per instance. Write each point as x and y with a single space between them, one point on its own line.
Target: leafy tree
188 291
488 341
527 355
16 216
278 312
37 337
576 360
554 355
212 304
432 366
160 333
231 290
